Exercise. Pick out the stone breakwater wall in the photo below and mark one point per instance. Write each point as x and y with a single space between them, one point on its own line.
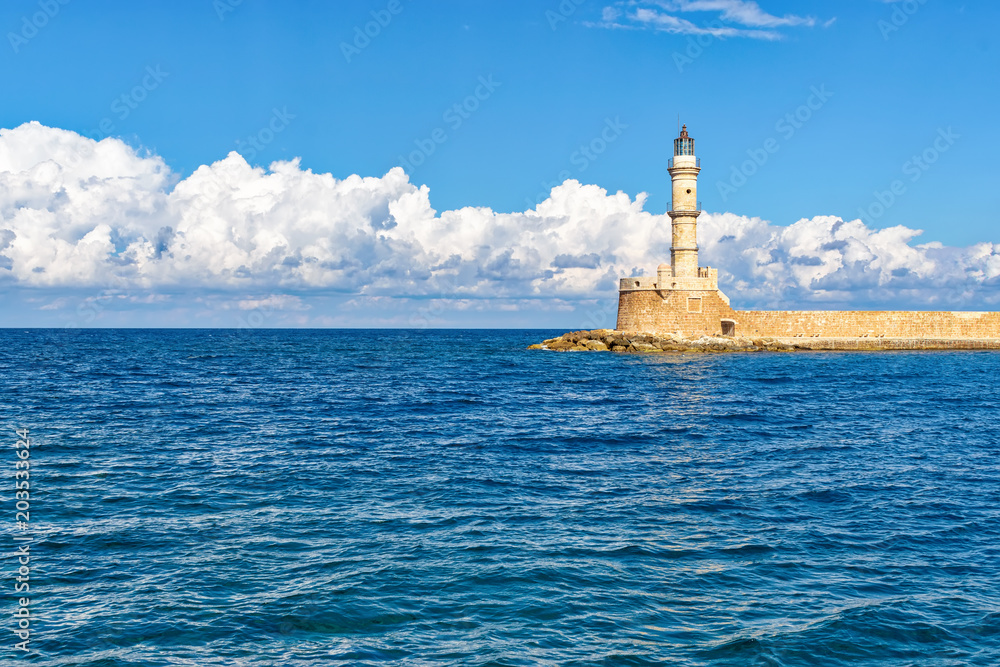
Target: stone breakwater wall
603 340
877 344
858 324
707 313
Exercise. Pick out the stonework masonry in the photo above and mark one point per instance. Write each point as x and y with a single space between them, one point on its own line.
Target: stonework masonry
688 312
863 324
655 312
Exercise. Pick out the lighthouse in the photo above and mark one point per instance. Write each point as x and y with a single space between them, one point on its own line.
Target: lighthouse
686 208
682 297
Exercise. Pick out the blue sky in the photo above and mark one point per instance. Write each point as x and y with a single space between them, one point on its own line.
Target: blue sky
833 101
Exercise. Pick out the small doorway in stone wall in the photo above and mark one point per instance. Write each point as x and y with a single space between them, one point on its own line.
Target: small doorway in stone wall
728 328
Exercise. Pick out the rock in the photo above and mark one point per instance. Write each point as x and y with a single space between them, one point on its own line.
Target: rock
616 340
600 340
723 344
536 347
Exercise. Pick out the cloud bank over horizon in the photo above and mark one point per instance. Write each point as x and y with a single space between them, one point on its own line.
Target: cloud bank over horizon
76 213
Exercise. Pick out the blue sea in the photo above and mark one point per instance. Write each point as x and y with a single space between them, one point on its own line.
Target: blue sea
389 497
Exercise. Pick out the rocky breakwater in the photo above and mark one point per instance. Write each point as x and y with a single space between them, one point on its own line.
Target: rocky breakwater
603 340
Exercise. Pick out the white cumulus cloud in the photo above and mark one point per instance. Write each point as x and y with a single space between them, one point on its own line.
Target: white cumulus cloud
826 261
75 213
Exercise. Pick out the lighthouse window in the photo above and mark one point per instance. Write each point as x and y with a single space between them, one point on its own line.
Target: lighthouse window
689 190
683 146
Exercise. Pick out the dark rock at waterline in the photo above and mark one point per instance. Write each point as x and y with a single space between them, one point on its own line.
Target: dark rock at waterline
601 340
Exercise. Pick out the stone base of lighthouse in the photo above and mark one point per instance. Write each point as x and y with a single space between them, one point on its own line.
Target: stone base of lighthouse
688 306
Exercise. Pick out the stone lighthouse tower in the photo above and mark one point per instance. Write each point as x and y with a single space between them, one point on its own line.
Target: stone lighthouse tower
684 168
682 297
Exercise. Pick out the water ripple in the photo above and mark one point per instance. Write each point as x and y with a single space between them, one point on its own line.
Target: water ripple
449 498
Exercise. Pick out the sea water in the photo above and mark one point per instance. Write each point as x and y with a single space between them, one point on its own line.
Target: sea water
450 498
